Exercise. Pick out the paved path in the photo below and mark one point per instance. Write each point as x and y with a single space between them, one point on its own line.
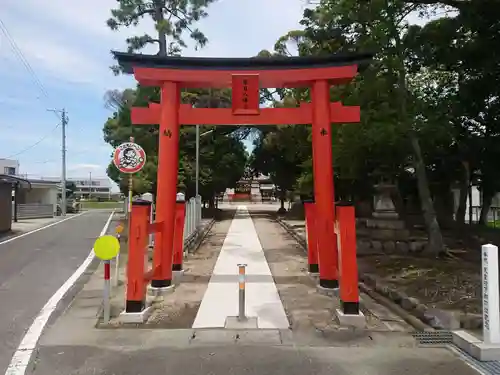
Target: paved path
220 301
33 267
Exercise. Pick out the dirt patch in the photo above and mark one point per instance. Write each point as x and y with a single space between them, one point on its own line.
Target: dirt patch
179 309
439 283
306 309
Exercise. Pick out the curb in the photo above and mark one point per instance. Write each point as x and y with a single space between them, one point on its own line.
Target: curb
196 239
411 319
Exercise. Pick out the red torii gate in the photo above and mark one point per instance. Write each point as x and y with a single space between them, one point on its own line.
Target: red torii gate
245 77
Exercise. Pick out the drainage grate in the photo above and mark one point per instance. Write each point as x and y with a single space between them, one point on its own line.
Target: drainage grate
433 337
489 368
445 338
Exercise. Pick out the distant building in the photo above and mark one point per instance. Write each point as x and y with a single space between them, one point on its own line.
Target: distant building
258 189
92 187
9 167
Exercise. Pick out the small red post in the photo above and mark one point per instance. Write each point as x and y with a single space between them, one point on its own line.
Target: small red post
107 271
349 292
312 236
180 214
138 242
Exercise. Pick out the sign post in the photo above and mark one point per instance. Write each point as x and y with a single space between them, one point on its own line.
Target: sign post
118 231
491 304
106 248
129 158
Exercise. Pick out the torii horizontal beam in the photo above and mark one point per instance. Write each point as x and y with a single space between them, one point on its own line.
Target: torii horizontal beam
224 116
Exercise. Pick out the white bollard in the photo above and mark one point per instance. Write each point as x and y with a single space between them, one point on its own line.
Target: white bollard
491 304
149 197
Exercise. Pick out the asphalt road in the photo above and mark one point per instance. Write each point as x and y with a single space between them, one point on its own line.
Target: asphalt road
33 267
248 360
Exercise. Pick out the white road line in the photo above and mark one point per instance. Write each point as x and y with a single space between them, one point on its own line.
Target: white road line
42 228
21 358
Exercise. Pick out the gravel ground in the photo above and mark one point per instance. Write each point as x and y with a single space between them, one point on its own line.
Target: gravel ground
178 310
305 307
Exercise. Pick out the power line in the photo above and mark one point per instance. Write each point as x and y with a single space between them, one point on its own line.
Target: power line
19 54
34 144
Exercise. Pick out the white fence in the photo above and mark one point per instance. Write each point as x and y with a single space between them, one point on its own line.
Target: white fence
193 216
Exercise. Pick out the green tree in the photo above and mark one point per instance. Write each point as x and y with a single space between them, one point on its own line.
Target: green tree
280 154
222 155
172 19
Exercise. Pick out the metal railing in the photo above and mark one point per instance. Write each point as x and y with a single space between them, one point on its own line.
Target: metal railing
193 216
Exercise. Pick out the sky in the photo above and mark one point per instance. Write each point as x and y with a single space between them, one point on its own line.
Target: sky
65 46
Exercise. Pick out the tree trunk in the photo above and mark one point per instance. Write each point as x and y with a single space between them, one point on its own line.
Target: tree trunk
485 206
162 36
462 199
433 230
282 202
211 203
435 244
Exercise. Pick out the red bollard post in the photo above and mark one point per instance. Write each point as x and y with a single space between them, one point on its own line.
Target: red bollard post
349 291
312 237
138 242
180 215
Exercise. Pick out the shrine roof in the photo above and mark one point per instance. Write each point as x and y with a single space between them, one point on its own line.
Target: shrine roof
130 60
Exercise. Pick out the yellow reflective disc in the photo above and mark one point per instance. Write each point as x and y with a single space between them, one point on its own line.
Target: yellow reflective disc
106 247
119 228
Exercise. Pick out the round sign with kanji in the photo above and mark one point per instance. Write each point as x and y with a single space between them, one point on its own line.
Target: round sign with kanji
129 157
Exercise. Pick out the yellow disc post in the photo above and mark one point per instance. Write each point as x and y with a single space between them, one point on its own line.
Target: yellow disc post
106 247
119 229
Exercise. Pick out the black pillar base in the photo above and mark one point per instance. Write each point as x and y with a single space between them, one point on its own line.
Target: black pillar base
350 308
176 267
314 268
160 283
328 284
134 306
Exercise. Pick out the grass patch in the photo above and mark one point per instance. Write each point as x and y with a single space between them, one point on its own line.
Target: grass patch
89 205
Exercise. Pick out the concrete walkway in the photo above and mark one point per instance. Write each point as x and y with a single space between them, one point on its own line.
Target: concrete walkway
221 297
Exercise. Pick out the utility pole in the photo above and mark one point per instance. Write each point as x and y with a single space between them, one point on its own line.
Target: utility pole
90 185
64 122
197 166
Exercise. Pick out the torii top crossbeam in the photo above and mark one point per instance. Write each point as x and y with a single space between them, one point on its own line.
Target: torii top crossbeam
274 72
